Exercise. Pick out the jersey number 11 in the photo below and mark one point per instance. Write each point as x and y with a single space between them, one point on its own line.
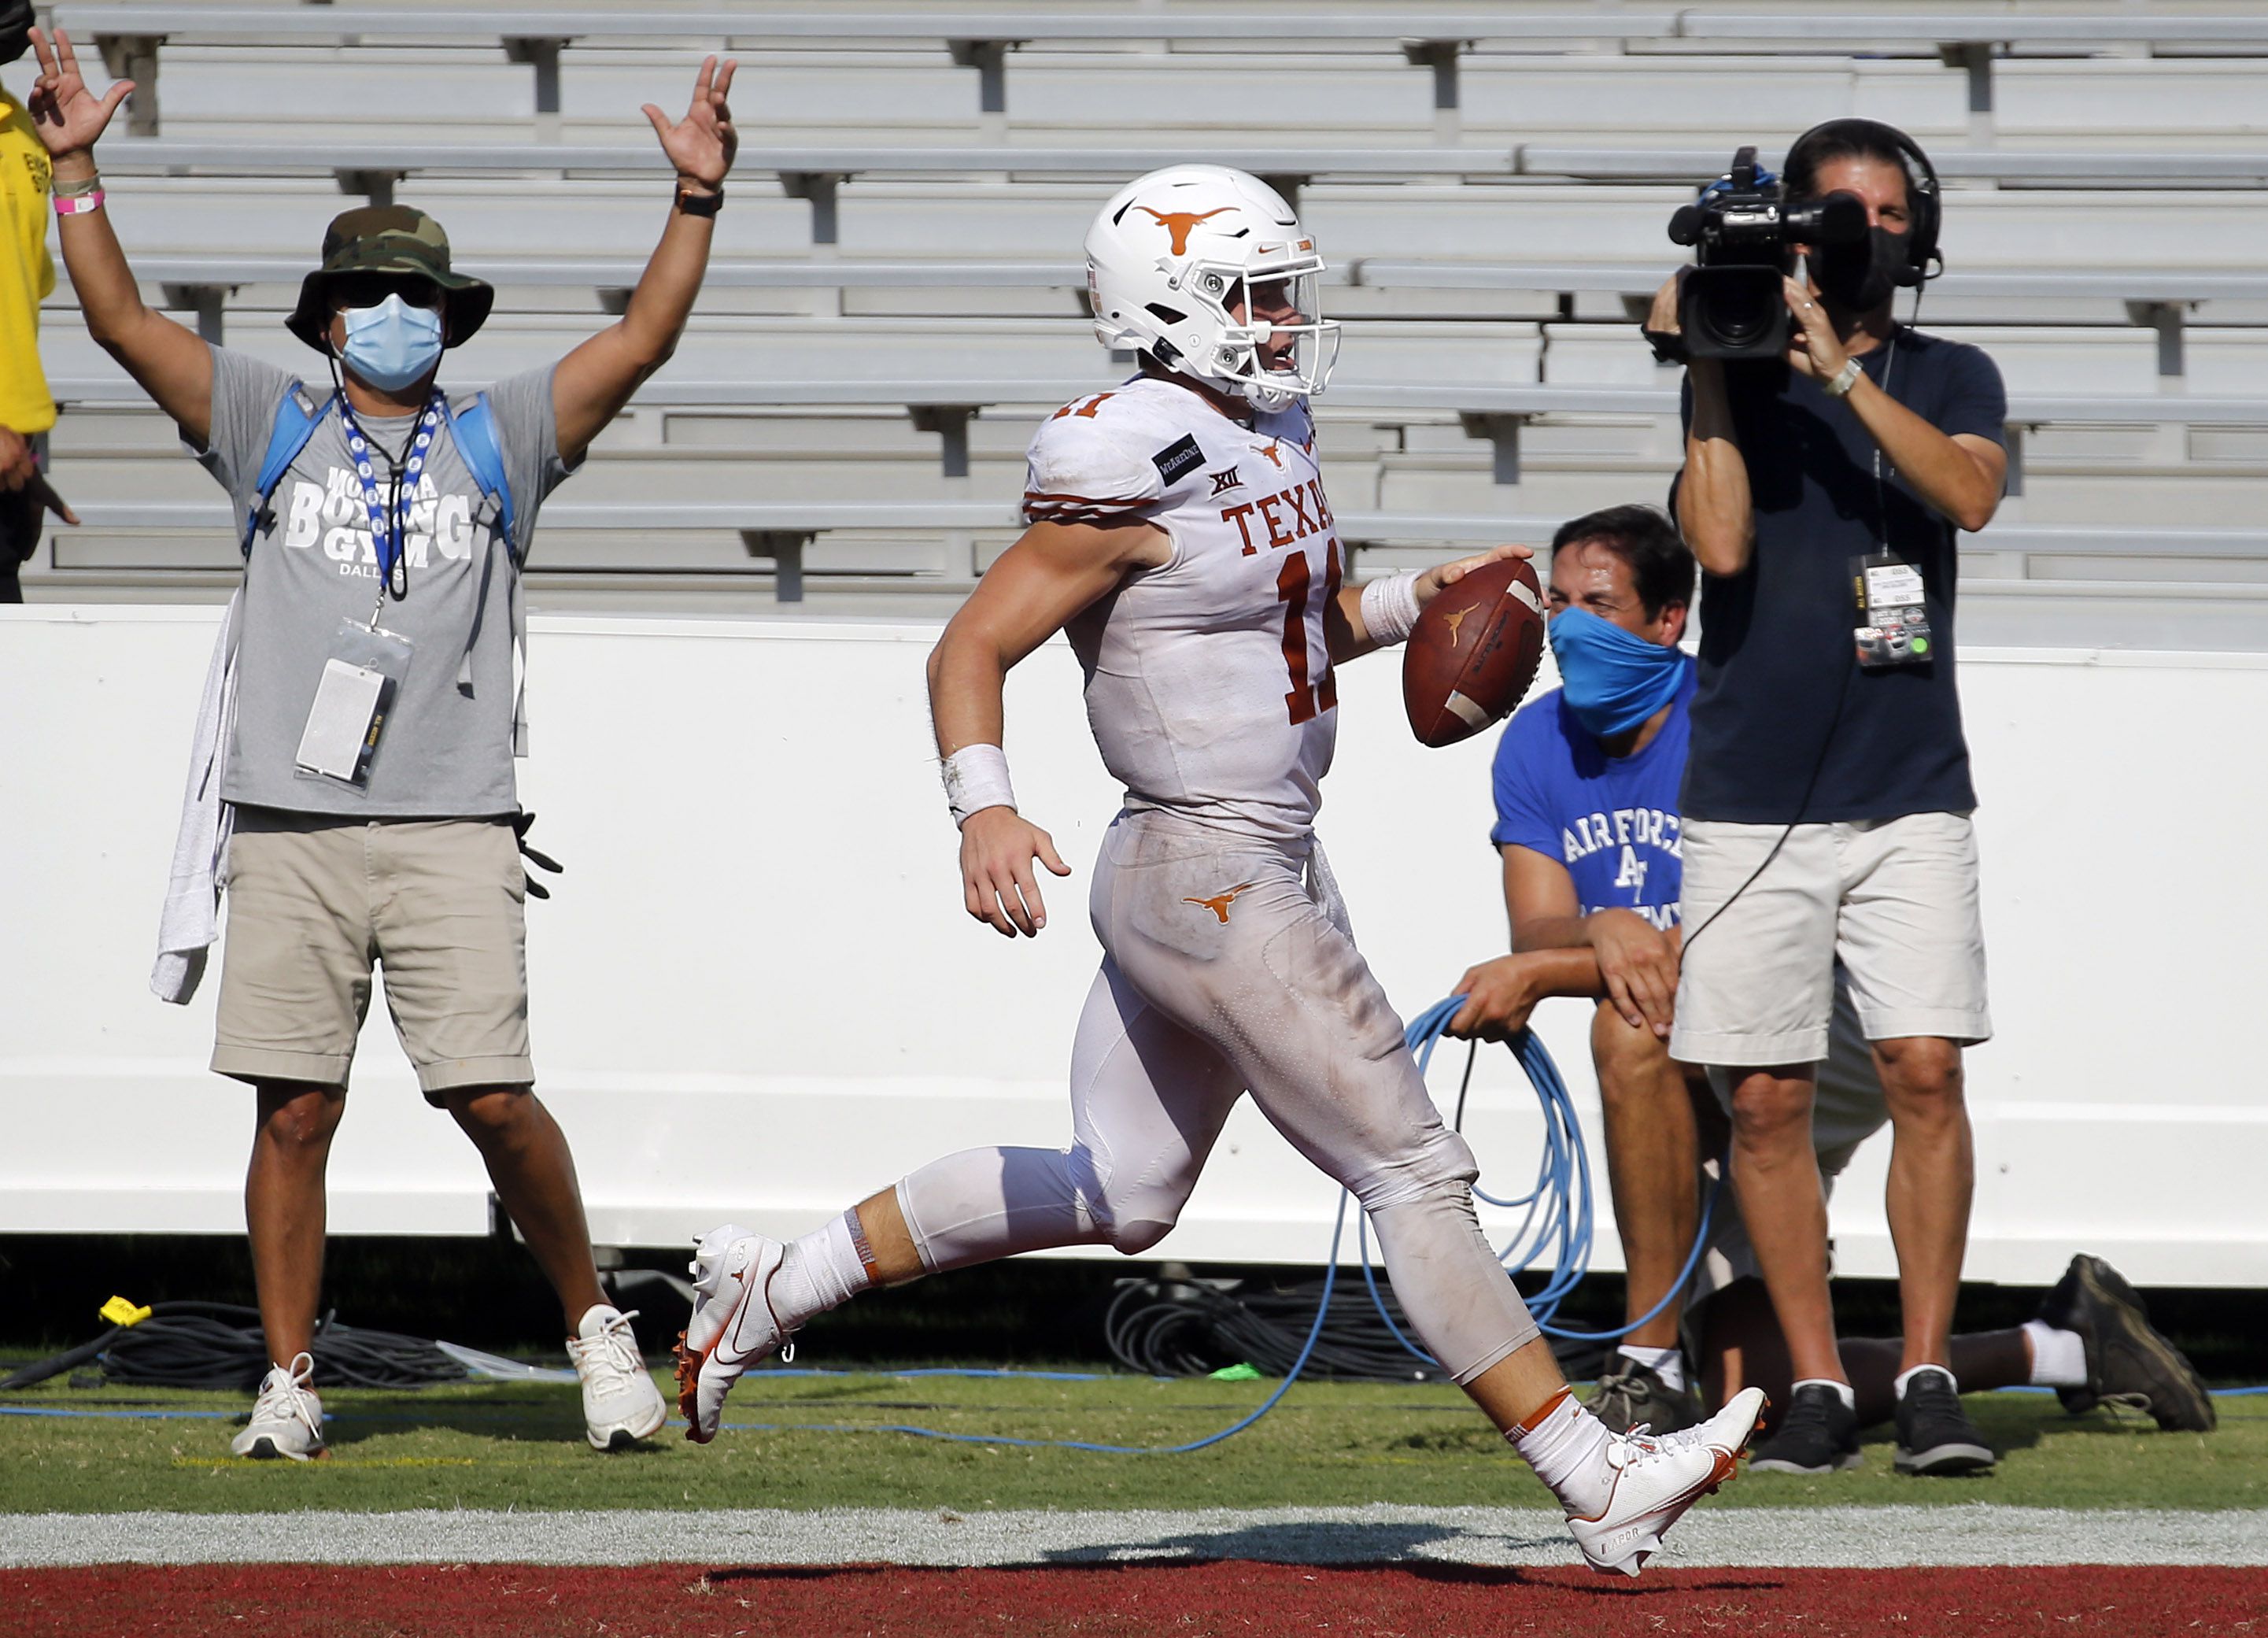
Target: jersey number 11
1292 585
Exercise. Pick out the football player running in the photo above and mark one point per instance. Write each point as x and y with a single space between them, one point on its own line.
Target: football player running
1179 533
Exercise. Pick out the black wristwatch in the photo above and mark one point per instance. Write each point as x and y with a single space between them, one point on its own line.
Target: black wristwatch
700 204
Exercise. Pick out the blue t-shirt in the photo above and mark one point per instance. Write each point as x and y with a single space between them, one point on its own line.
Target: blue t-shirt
1613 821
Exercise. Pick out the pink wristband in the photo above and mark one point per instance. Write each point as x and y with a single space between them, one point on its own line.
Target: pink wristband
80 205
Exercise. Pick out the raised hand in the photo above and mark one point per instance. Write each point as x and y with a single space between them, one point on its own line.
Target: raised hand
67 116
701 144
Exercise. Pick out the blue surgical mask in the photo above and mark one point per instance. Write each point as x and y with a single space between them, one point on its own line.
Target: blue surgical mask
392 345
1615 679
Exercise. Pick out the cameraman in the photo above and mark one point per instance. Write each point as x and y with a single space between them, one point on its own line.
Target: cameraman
1827 796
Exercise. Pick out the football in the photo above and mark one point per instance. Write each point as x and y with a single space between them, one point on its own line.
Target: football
1473 652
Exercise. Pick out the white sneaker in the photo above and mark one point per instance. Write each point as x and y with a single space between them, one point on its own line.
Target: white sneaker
734 1325
287 1418
1656 1478
620 1404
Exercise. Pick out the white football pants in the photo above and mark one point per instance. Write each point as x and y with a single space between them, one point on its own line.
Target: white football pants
1227 966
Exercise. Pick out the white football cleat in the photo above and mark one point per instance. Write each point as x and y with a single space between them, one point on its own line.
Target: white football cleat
287 1419
1656 1478
620 1404
733 1325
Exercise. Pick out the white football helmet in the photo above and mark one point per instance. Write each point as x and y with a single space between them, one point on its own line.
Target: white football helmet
1177 253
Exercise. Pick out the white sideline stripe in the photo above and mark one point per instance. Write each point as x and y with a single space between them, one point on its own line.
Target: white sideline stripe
1852 1538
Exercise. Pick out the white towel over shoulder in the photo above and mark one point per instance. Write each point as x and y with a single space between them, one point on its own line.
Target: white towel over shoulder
191 920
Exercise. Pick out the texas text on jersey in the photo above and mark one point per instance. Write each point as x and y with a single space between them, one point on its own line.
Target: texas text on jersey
1209 683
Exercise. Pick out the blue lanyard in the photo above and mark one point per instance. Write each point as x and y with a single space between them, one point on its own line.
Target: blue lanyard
388 541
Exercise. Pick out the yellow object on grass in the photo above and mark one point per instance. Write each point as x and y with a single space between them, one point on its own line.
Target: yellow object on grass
118 1311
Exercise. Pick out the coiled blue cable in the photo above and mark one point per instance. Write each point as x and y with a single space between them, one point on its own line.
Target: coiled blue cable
1561 1198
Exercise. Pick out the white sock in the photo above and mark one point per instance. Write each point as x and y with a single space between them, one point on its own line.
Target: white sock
821 1271
1667 1363
1905 1376
1841 1389
2058 1357
1567 1447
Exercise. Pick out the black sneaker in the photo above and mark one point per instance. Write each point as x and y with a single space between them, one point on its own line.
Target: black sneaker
1819 1435
2127 1361
1635 1396
1935 1435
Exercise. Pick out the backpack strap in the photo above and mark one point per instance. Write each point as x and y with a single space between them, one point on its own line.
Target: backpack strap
297 418
474 429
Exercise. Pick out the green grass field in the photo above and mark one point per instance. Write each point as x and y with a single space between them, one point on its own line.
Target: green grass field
1343 1444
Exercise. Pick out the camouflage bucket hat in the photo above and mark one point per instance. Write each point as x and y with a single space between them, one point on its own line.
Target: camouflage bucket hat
389 241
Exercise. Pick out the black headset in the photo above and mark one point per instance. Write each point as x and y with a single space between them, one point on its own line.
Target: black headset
1923 200
16 20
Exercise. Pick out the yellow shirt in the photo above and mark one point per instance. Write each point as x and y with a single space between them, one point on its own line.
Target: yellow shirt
27 275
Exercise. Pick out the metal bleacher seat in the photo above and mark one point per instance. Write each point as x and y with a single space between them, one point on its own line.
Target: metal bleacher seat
131 36
1322 95
2163 300
1499 413
205 285
932 550
374 169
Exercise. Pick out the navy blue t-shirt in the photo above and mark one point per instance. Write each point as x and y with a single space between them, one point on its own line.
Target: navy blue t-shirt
1612 821
1786 726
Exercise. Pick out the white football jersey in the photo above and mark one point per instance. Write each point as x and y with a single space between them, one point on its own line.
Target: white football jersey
1209 683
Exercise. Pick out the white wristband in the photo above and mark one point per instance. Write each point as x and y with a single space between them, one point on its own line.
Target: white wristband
1389 608
1839 384
977 777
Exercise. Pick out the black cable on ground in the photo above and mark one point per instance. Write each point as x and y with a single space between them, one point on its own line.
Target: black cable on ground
1186 1327
1191 1327
220 1346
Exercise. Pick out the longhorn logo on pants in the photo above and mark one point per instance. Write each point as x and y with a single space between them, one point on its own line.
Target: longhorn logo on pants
1218 903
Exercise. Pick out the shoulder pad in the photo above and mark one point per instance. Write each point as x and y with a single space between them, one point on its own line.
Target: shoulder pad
1081 468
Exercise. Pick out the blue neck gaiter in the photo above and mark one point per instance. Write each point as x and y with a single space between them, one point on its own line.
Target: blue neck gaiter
1615 679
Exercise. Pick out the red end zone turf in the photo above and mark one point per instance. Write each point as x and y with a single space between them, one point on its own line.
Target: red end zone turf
671 1601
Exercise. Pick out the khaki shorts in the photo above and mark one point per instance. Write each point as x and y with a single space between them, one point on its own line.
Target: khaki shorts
313 901
1894 901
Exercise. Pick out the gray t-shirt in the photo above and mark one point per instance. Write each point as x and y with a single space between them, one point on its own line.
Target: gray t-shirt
447 747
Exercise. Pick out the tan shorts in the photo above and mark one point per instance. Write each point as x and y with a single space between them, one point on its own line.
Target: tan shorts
1894 901
313 901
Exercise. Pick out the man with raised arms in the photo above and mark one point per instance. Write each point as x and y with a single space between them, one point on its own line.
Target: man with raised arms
1180 532
360 776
